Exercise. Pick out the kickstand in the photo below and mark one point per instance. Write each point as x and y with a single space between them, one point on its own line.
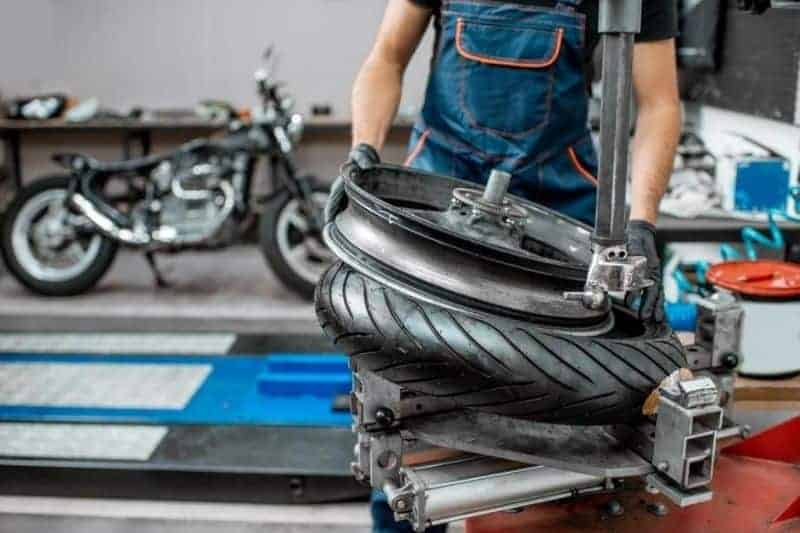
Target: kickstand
151 261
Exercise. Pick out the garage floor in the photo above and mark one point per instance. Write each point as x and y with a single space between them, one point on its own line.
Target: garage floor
229 290
34 515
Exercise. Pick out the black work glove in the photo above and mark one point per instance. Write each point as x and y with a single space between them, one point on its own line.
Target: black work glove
642 242
362 157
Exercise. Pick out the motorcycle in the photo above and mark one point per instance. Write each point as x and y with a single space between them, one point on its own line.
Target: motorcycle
61 233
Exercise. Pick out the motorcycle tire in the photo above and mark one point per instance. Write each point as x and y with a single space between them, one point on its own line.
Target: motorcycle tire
273 240
73 285
494 363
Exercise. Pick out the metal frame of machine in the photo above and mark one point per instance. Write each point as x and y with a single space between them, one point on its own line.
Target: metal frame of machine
504 464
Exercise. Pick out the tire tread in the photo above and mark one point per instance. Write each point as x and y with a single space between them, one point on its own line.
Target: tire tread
511 367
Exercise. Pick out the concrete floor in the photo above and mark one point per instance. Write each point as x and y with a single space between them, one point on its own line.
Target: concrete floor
57 515
230 290
65 515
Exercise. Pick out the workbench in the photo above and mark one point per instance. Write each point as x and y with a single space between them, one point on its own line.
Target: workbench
132 131
708 229
721 230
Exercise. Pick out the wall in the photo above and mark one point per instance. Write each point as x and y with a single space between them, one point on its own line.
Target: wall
173 53
27 51
759 66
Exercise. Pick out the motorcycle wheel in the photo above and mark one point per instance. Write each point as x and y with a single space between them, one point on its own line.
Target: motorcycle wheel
297 258
43 250
492 362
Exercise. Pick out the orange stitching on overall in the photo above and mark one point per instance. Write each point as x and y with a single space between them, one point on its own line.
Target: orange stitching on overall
417 148
507 62
579 166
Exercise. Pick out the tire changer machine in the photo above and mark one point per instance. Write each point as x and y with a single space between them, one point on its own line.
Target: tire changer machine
509 464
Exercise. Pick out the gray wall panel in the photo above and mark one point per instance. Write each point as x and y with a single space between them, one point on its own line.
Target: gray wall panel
759 69
27 59
172 53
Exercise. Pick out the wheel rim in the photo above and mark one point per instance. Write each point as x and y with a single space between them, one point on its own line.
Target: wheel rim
395 229
45 243
305 254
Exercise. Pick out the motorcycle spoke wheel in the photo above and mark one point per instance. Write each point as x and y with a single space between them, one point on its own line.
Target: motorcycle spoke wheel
44 243
294 240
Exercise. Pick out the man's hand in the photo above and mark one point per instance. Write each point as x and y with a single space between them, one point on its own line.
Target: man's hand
362 157
642 242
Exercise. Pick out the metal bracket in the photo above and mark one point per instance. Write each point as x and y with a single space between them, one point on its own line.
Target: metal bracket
680 497
684 447
612 270
378 404
719 329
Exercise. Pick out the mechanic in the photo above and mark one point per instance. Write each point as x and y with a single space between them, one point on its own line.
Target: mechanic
508 89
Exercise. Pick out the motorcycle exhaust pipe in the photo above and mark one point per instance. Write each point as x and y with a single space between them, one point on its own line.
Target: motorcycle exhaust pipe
163 235
105 225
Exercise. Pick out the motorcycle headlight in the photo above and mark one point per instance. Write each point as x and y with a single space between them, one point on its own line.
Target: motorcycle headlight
295 127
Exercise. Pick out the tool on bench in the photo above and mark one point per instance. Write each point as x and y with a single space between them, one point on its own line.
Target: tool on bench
486 324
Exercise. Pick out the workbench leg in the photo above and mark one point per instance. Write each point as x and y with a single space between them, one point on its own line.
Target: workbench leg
12 159
144 139
147 141
11 174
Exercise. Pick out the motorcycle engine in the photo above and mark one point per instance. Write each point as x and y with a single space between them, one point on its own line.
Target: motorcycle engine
195 201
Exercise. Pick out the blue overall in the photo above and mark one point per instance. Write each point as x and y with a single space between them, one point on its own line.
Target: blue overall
507 90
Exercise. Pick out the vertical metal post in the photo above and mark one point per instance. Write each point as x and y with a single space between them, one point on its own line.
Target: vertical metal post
496 187
619 21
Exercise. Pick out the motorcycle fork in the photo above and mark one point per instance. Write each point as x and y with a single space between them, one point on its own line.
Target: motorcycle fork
303 191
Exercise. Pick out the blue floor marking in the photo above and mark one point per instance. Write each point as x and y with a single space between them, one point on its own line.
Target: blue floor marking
292 391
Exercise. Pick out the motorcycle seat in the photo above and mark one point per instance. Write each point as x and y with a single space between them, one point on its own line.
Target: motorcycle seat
76 161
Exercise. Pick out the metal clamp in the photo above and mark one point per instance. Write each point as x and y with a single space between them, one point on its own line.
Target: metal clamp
719 329
612 270
686 433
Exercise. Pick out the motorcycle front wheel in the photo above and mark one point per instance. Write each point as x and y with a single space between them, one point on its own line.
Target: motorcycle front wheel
46 245
296 255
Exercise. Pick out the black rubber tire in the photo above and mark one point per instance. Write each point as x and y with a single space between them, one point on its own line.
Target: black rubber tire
69 287
494 363
268 239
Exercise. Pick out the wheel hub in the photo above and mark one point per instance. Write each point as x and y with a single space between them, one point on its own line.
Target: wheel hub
487 214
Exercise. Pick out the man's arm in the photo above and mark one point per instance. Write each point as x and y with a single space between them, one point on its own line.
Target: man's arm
658 125
376 93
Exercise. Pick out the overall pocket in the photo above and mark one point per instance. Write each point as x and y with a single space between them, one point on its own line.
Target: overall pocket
507 75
